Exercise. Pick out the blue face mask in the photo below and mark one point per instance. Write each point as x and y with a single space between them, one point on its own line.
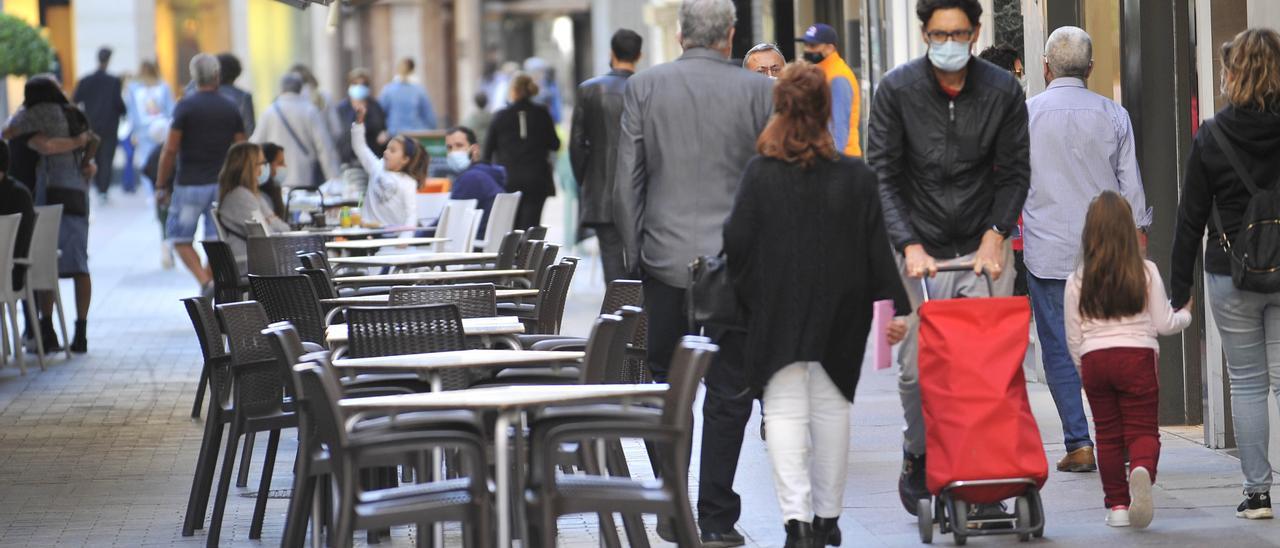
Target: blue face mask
949 56
282 173
358 92
264 174
459 160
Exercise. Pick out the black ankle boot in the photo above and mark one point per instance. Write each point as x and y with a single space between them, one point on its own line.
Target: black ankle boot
80 344
48 336
800 535
827 531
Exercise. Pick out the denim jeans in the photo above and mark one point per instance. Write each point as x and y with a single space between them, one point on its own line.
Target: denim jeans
1064 380
1250 327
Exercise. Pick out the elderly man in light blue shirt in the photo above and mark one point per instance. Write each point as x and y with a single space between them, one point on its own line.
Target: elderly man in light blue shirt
1081 145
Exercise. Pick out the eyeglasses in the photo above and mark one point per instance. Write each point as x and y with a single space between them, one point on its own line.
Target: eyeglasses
775 70
940 37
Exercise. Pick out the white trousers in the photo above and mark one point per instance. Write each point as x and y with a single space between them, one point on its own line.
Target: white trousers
807 419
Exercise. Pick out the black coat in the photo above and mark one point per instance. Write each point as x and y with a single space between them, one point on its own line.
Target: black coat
375 122
524 149
593 144
103 101
950 169
1211 180
808 254
14 199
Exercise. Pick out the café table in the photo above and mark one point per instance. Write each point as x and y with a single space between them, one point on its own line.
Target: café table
419 278
379 243
350 232
509 402
409 261
489 330
384 299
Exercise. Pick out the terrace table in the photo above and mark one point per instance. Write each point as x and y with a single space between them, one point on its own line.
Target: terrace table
419 278
384 299
498 328
509 402
352 232
379 243
409 261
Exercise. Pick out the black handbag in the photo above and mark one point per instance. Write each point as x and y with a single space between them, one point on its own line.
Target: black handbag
711 299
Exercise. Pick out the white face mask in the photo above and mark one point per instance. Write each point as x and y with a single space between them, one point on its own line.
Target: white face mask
282 173
949 56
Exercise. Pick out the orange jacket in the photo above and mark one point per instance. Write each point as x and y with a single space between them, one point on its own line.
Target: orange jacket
846 104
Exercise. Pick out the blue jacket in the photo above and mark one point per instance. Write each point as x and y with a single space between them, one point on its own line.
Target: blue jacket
480 182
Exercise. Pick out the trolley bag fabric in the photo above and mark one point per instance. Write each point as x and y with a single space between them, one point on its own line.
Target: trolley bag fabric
978 420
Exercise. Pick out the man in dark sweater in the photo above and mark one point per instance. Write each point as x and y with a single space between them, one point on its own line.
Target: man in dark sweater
475 180
100 95
14 198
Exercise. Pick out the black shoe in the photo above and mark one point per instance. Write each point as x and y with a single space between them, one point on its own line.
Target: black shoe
827 531
799 535
723 540
666 530
1255 506
911 484
80 343
48 337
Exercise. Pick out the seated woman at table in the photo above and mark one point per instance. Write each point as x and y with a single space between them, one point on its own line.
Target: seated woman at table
808 255
239 198
393 182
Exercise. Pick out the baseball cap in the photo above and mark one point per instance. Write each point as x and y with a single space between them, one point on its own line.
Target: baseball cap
820 33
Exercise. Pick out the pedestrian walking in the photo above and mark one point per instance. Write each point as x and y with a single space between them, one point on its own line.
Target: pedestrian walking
294 121
61 135
593 148
149 100
241 202
15 198
101 95
205 125
522 139
406 103
1232 152
229 70
473 179
393 180
806 239
376 136
1067 116
1115 306
822 48
689 127
480 118
959 201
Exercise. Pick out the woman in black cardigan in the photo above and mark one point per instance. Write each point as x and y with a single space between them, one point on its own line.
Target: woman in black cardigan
808 255
521 139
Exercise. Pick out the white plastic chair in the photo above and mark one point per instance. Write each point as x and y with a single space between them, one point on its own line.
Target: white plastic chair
502 219
461 231
8 297
43 275
451 224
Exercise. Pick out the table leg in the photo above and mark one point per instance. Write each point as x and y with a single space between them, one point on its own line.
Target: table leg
502 472
437 458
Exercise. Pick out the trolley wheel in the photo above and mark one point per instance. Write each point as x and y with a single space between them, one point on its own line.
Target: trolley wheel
1025 517
1037 507
959 511
924 518
959 538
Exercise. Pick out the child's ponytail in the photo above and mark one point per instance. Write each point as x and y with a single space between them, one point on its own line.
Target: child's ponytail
419 166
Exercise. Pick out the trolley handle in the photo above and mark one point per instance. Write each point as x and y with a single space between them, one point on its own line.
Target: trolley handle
960 267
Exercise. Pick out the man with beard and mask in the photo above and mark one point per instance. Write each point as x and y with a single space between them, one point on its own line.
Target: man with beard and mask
473 180
948 139
846 98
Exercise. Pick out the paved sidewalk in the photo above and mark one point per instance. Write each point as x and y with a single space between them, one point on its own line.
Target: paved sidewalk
99 449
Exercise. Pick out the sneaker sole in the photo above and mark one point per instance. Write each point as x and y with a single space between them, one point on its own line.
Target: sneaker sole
1140 508
1261 513
1117 525
1079 468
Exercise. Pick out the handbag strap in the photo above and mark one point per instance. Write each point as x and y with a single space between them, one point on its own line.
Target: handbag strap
284 119
1245 177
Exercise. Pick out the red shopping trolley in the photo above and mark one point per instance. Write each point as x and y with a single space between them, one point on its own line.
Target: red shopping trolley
981 438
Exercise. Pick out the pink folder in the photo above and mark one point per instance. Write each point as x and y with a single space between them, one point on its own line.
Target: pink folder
882 351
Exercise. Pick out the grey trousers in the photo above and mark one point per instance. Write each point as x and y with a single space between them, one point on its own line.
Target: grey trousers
946 285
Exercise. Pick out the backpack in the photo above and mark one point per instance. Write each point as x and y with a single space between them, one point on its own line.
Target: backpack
1255 253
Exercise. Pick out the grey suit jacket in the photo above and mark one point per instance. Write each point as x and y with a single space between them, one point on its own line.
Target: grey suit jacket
688 129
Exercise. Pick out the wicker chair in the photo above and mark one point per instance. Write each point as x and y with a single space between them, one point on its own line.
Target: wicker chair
545 315
508 249
536 232
229 285
617 295
473 300
278 255
539 262
216 373
257 402
292 299
550 496
397 330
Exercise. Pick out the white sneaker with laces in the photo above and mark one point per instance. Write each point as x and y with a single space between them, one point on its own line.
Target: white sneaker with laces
1118 516
1141 510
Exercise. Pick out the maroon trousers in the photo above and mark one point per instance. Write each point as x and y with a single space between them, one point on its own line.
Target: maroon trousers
1124 394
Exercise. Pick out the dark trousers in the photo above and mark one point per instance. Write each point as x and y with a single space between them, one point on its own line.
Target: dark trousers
610 241
105 158
529 212
1124 393
726 406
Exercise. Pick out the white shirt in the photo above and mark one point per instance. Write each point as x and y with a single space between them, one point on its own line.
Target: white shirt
390 198
1085 335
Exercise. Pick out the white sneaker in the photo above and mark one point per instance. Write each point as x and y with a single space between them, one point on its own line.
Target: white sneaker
1140 508
166 256
1118 516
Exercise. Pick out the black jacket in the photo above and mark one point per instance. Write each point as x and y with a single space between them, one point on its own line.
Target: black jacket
593 144
14 199
1211 180
103 101
808 256
949 169
375 122
521 139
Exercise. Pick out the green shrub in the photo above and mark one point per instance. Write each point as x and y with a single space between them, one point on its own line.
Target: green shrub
23 51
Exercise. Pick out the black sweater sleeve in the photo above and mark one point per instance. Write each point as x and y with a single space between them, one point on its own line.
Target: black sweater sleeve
884 268
1194 208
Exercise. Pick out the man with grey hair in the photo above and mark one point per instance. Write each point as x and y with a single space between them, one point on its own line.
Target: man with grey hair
1081 145
688 129
205 125
294 122
766 59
